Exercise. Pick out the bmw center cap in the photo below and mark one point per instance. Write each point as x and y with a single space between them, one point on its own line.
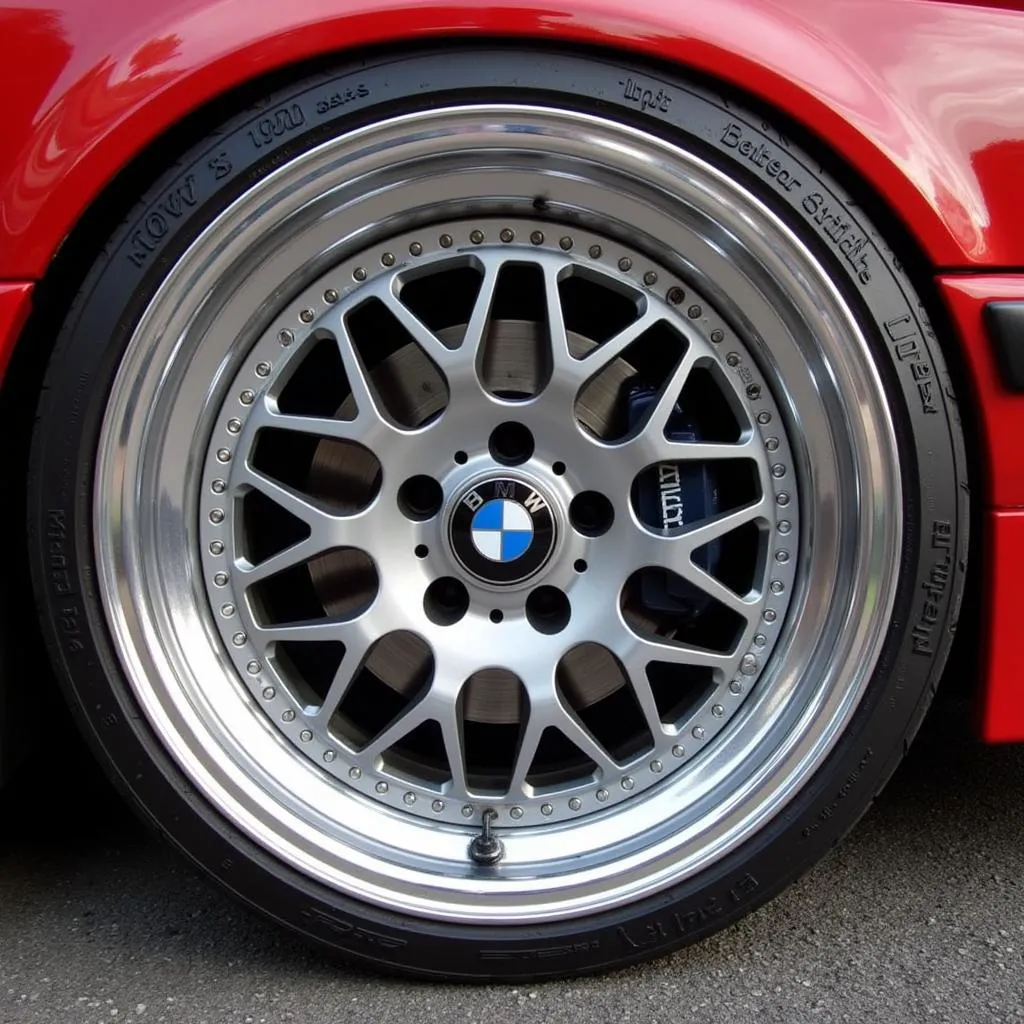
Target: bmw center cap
502 530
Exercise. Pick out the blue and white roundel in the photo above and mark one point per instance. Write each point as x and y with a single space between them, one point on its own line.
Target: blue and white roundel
502 530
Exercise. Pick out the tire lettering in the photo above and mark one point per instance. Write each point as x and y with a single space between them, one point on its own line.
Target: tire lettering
274 125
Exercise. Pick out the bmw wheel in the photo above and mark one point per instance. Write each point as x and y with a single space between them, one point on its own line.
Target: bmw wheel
496 527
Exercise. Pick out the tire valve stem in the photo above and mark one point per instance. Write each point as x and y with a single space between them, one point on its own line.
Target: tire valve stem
487 848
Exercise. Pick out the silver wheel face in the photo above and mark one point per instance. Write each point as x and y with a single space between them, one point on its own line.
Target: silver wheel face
498 462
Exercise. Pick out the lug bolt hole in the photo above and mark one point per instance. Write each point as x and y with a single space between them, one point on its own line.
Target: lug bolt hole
420 497
446 601
591 513
548 610
580 565
421 551
558 468
511 444
461 458
497 615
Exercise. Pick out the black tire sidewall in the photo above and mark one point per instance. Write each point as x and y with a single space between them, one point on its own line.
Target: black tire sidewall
164 223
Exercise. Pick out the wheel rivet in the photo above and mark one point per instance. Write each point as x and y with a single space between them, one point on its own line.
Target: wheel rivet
785 526
753 391
306 316
409 799
777 586
437 806
717 337
625 264
227 610
717 710
268 692
254 668
224 455
446 241
288 716
770 615
764 417
238 639
537 237
516 812
675 296
595 252
467 811
330 296
217 548
263 369
546 810
748 664
416 249
381 787
355 774
575 803
305 735
735 687
329 756
782 556
476 237
694 312
650 278
602 795
733 359
627 783
772 444
678 751
359 273
698 732
565 242
760 639
218 486
247 397
388 259
778 470
221 579
286 337
507 235
782 498
217 515
656 767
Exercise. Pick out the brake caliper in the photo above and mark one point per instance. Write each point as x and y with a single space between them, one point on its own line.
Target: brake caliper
669 496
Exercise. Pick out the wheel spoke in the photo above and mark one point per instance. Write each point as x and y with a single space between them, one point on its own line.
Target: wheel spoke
427 340
643 650
525 753
665 403
675 548
599 358
367 406
296 554
480 318
409 719
266 415
316 516
357 643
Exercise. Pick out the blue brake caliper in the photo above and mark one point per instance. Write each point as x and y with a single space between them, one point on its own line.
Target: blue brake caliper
669 496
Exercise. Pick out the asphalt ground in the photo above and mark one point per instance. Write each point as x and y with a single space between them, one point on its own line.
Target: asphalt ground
918 916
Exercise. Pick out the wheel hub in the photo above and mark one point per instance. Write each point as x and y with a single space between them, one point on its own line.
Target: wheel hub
502 530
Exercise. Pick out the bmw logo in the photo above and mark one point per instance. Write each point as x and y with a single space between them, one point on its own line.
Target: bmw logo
502 530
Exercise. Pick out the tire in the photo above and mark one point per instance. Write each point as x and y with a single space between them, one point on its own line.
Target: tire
669 699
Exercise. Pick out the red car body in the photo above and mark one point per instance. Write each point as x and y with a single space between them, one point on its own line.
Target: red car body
920 98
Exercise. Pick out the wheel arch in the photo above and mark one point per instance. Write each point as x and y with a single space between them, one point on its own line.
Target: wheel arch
163 112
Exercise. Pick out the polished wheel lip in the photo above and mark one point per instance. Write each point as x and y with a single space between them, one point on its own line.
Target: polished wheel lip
196 725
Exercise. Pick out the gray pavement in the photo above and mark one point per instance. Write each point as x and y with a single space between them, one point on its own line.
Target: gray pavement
919 916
